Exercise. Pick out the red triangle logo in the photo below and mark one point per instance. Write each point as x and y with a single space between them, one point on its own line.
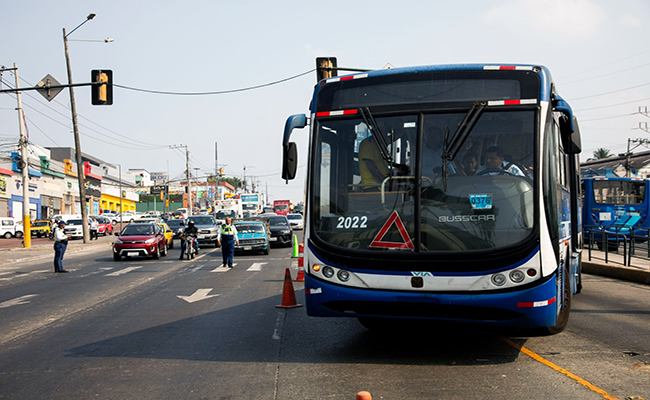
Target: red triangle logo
393 219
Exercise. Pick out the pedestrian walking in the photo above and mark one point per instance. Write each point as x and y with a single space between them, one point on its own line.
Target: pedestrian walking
60 245
227 238
94 229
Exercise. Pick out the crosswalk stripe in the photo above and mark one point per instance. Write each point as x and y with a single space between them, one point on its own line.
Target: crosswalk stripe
123 271
256 267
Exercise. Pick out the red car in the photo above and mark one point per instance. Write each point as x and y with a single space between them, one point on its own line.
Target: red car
140 240
105 226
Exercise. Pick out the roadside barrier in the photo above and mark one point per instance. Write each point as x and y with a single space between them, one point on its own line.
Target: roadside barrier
288 294
301 263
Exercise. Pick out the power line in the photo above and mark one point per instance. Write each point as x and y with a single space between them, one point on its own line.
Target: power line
217 92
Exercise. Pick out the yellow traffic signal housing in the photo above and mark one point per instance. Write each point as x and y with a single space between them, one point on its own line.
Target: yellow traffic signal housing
325 68
102 89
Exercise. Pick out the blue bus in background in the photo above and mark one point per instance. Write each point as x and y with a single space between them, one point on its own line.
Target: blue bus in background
444 193
616 205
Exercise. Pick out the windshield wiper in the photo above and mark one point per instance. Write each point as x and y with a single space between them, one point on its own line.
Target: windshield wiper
374 129
452 146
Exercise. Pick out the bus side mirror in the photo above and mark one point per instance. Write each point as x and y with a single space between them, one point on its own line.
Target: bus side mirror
571 140
289 161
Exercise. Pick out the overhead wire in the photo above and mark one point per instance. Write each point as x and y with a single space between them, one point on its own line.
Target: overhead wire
137 142
215 92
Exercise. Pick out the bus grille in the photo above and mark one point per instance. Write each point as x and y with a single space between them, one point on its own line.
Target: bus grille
415 310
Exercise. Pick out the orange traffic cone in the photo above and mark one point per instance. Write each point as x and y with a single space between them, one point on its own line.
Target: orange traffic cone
288 295
301 263
364 395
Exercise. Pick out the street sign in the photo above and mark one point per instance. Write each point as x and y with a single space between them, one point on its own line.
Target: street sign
46 91
158 189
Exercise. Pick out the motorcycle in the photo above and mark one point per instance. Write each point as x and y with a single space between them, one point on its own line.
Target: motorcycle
190 247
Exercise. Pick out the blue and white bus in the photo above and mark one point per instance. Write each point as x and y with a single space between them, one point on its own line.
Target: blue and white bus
445 192
616 205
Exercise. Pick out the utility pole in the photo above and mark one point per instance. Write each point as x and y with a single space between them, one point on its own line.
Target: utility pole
77 142
628 153
187 175
25 162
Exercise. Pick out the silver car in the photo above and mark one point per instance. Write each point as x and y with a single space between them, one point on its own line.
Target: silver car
207 227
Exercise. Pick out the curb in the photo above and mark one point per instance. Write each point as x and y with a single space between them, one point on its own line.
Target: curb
618 272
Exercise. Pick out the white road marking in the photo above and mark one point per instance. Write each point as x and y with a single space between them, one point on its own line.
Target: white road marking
223 269
200 294
17 301
123 271
255 267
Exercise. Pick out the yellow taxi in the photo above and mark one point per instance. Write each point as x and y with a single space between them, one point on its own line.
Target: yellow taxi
169 234
41 228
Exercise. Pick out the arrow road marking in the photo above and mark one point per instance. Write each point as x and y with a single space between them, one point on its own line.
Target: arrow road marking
123 271
256 267
17 301
200 294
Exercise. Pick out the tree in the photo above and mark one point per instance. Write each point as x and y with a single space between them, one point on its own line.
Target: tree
602 153
235 182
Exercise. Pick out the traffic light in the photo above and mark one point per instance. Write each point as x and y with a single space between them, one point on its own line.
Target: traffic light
17 163
221 172
101 94
325 68
162 195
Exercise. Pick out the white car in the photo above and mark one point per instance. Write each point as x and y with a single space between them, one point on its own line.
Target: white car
296 221
126 217
9 227
74 228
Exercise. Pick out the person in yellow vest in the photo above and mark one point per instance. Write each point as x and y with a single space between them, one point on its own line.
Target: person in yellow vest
227 238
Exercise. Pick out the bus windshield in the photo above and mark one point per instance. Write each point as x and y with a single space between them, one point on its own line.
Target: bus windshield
385 187
619 192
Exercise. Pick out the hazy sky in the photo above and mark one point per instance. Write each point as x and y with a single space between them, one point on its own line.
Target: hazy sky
596 50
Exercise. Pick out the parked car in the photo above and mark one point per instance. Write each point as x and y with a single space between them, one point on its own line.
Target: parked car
296 221
105 225
207 227
74 228
111 216
9 227
126 217
140 240
177 226
41 228
253 236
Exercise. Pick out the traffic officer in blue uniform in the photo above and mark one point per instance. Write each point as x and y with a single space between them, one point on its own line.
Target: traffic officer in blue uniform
227 238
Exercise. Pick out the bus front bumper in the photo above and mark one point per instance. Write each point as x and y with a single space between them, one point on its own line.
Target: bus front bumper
532 307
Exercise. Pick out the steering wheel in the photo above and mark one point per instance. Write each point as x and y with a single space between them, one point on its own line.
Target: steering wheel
496 171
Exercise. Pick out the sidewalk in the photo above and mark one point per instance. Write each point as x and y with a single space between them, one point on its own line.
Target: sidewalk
44 248
639 272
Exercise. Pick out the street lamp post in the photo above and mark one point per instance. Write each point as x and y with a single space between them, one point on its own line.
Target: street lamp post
77 143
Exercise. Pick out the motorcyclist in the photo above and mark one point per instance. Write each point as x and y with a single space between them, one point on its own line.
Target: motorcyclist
189 231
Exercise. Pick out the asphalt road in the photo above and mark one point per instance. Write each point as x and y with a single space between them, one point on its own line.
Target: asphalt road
170 329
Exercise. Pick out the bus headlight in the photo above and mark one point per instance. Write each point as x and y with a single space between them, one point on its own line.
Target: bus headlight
498 279
328 272
343 275
517 276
